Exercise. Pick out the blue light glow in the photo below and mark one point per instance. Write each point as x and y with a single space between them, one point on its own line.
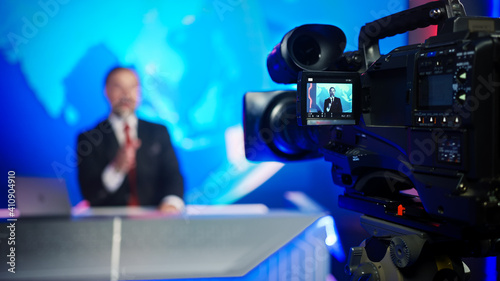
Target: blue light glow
491 269
195 59
494 8
332 239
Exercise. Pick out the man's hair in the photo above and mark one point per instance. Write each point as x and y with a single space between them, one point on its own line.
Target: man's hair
330 91
116 69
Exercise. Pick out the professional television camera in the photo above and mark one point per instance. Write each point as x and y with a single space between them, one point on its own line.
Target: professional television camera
415 141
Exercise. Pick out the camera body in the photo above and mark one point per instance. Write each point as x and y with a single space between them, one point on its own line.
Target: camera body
416 137
430 123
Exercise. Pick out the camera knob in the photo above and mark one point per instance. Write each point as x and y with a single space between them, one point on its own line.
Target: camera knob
461 96
405 250
461 76
435 13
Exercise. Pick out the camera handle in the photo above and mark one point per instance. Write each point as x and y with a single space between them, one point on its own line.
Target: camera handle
432 13
398 253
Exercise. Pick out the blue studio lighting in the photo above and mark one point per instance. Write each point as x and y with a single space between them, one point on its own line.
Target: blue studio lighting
491 269
491 262
494 8
332 239
196 59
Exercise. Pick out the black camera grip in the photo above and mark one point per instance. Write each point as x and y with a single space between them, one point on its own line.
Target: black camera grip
431 13
404 21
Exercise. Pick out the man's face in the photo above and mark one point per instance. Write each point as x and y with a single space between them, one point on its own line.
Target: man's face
332 92
122 91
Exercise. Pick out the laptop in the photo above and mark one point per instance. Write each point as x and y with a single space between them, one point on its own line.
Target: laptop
42 197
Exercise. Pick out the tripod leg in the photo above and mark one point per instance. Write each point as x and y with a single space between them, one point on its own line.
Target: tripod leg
373 261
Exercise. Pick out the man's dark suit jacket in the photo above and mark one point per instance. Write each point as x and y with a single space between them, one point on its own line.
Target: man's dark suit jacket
336 107
157 168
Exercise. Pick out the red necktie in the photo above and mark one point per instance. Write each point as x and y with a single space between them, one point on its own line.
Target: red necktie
134 198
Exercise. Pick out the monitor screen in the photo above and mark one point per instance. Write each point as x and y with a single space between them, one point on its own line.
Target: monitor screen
436 90
328 98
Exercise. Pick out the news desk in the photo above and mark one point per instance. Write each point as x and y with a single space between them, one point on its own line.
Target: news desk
119 244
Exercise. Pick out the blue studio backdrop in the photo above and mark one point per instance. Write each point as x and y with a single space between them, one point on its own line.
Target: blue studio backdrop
195 59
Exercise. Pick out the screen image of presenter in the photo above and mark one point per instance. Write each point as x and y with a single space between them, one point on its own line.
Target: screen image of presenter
329 97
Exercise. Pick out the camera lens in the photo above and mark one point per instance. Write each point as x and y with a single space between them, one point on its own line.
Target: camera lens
306 50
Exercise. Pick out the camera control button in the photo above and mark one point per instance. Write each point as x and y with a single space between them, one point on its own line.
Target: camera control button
461 96
462 76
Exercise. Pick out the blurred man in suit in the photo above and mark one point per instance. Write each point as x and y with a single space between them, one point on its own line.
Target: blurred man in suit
126 161
332 104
